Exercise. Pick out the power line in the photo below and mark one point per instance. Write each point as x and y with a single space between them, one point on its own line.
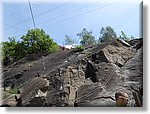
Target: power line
12 26
20 12
54 8
32 14
42 13
79 14
85 13
66 13
13 34
50 10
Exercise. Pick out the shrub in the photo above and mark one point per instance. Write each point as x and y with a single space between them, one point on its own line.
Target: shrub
78 49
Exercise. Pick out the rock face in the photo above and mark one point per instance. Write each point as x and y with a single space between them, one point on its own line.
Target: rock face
32 88
86 78
117 55
133 69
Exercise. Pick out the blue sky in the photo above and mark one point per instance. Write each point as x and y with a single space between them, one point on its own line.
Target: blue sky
64 17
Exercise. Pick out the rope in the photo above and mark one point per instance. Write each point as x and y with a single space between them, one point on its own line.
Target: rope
97 89
109 77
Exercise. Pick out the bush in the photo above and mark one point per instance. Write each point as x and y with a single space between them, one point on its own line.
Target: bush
54 48
78 49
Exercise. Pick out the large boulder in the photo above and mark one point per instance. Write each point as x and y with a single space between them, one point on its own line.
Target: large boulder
116 55
31 88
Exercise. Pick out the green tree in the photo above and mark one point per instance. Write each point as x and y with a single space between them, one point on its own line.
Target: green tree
9 47
69 40
107 34
86 37
36 40
124 36
53 48
8 50
20 51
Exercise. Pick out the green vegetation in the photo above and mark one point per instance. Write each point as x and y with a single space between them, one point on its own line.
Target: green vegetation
69 40
107 34
12 91
86 37
125 37
5 95
78 49
36 40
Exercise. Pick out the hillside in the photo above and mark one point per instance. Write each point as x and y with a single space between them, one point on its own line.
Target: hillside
76 78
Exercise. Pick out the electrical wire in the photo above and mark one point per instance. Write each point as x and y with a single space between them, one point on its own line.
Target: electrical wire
85 13
24 10
42 13
71 17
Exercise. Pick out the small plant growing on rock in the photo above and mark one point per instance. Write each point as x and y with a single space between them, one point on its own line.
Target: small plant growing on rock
12 91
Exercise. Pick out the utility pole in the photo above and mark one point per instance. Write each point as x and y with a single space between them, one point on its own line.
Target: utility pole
31 13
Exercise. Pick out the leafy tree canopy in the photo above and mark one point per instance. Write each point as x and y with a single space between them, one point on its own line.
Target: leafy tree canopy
69 40
86 37
125 37
36 40
107 34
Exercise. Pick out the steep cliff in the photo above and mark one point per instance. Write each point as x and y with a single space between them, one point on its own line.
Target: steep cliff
78 78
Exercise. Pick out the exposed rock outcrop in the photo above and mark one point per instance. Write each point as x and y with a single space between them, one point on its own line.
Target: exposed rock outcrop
84 78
